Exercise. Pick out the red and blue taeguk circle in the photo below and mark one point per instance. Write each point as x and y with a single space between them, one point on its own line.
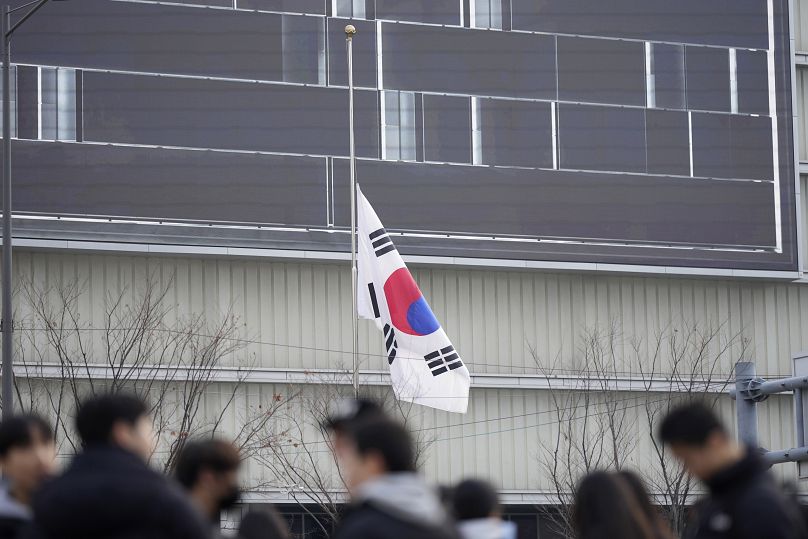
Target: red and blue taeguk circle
409 311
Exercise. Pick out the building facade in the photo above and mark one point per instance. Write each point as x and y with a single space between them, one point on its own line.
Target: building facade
595 200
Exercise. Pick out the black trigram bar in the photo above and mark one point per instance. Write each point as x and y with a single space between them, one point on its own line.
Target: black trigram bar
373 300
382 244
443 360
390 343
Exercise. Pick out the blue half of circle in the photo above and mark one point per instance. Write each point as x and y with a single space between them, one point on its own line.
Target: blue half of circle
421 318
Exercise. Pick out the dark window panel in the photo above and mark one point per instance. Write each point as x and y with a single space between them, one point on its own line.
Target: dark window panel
667 136
708 84
215 3
28 102
752 147
121 181
712 145
515 133
741 23
447 129
364 53
315 7
601 138
154 38
753 81
601 71
431 11
668 68
476 62
223 114
550 203
303 45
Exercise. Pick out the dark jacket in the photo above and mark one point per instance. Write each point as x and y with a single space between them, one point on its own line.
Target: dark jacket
395 506
109 493
14 516
746 502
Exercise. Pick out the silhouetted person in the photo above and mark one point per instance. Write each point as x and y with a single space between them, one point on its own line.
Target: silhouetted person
208 470
264 523
661 527
27 458
388 499
606 507
108 491
476 508
744 500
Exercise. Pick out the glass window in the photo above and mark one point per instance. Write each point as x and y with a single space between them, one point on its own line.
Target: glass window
486 14
57 103
667 63
399 126
303 49
349 8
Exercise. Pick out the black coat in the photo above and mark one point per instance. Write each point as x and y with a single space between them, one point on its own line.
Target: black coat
746 502
109 493
368 522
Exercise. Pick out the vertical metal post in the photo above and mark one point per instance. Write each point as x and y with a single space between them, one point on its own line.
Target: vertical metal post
350 31
746 408
7 322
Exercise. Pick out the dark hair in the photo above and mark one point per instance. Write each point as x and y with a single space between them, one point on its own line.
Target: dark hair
214 455
633 481
348 411
21 430
473 499
605 506
388 439
97 415
689 424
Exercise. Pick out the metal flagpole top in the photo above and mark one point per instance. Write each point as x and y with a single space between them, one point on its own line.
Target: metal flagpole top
350 31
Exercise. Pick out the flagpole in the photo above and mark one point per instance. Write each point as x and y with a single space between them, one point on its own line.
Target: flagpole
350 31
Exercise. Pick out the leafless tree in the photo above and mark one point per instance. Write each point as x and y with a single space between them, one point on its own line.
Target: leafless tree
599 423
140 345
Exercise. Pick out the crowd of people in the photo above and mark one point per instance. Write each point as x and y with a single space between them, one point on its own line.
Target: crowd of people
109 490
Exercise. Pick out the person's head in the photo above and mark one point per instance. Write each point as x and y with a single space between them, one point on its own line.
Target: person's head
27 453
473 499
637 487
347 412
698 439
606 506
372 448
118 419
208 470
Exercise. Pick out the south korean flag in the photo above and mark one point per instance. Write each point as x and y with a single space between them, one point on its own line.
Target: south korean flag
424 366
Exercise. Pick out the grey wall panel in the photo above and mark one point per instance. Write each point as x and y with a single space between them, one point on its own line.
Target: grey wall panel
546 203
432 11
667 138
27 102
314 7
753 81
516 133
601 71
224 114
364 50
668 68
475 62
741 23
708 84
169 184
138 37
303 45
730 146
447 128
601 138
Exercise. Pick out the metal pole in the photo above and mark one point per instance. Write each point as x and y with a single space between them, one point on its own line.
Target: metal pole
350 31
746 408
7 322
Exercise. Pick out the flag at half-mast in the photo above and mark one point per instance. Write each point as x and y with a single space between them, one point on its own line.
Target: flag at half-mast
425 368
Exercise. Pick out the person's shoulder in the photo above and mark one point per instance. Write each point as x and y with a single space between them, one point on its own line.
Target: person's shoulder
367 521
764 508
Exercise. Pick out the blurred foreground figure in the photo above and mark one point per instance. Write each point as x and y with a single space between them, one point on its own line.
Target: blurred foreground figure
388 499
108 491
27 457
476 507
263 523
208 470
607 506
744 501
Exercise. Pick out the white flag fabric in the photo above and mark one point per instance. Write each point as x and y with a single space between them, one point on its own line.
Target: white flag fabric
424 366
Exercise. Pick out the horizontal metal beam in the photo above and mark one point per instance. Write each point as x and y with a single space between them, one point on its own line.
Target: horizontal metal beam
571 381
795 454
771 387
